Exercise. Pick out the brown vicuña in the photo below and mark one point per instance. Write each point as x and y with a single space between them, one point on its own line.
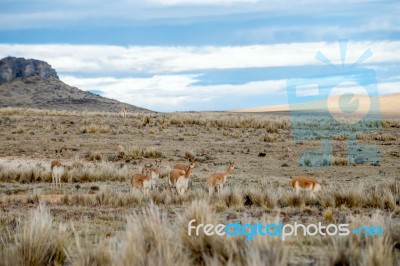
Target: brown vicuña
142 180
180 178
155 172
57 171
123 112
218 179
305 183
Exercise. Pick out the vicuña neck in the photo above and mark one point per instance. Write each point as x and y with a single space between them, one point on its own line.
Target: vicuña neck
228 171
187 174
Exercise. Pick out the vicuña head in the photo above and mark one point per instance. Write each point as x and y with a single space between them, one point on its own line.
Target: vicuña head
179 178
300 183
218 179
183 166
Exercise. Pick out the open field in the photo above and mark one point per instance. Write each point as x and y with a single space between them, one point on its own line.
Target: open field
95 219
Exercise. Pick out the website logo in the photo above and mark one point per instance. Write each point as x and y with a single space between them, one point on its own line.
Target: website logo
279 230
345 104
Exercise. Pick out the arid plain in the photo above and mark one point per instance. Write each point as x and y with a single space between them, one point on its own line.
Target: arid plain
95 219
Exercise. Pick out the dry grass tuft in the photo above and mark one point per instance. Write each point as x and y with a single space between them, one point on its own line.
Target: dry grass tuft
133 153
37 242
270 138
90 253
362 249
328 215
349 198
153 153
384 137
340 161
93 156
189 155
340 137
148 241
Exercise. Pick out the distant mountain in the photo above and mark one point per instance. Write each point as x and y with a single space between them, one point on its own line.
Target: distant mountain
35 84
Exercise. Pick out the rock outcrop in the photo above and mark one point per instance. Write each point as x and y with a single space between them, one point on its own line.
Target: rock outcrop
12 68
35 84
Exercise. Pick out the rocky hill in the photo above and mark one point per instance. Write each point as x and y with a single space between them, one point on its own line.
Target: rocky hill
35 84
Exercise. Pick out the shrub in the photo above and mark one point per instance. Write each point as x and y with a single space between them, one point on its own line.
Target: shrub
153 153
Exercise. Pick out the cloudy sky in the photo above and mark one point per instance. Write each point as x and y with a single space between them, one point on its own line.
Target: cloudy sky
175 55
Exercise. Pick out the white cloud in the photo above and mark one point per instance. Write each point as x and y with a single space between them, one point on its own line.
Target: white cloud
172 92
170 59
169 87
389 88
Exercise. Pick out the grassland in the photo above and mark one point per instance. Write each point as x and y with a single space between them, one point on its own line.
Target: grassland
94 218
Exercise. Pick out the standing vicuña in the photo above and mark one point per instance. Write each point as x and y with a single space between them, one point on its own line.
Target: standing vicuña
305 183
123 112
155 172
180 178
142 180
218 179
57 171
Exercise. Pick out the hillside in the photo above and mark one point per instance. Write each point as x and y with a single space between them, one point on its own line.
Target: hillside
35 84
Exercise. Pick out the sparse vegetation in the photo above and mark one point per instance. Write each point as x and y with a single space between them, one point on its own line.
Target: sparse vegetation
269 138
340 161
37 242
152 153
107 224
340 137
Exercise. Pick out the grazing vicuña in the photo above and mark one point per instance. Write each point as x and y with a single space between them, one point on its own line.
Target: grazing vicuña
305 183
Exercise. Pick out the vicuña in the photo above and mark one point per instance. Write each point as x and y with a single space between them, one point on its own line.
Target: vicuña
57 171
142 180
179 179
155 172
305 183
123 112
218 179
